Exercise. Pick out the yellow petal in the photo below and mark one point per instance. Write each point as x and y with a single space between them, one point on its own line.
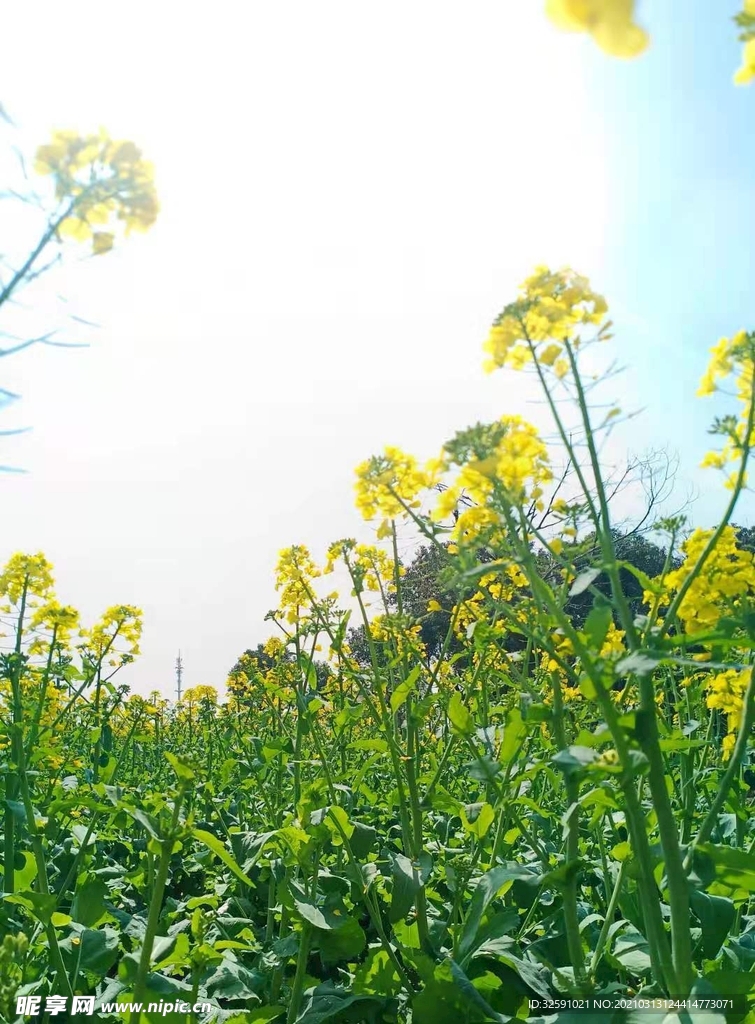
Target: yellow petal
569 15
102 241
620 39
74 227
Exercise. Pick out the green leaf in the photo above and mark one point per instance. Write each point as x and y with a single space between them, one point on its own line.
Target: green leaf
337 821
724 864
330 916
632 951
485 891
17 809
404 689
461 720
478 822
573 759
88 906
583 581
259 1015
345 943
93 949
407 880
41 905
514 731
472 995
641 663
702 990
214 844
598 622
377 976
328 1000
716 916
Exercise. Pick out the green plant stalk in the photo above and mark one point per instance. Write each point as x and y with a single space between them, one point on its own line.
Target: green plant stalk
413 755
297 991
277 980
12 779
571 916
155 909
305 943
42 877
663 965
676 878
600 945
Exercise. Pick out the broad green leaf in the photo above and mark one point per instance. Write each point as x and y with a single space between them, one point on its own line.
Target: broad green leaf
597 623
88 906
486 890
345 943
214 844
726 865
514 731
328 1000
716 915
407 880
404 689
93 949
583 581
479 823
377 976
460 718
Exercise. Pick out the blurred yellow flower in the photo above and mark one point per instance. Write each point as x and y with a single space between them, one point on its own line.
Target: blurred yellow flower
103 182
746 72
609 22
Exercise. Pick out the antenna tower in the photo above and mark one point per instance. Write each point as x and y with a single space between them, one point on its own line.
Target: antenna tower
179 676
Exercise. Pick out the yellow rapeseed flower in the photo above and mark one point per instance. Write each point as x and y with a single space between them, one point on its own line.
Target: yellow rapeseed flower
728 575
746 72
609 22
388 485
552 306
103 181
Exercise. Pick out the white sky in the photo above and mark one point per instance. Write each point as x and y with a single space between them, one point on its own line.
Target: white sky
350 192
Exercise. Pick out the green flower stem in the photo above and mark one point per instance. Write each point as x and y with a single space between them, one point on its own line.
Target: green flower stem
676 878
571 917
155 908
608 920
664 965
305 943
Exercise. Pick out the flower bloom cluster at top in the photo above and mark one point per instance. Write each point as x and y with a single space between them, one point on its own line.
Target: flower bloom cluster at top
102 183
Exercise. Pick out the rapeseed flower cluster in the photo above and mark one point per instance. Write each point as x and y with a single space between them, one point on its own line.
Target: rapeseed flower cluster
553 306
26 575
389 485
115 637
729 356
727 576
59 621
726 692
199 694
610 23
504 460
293 578
370 567
104 182
401 633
